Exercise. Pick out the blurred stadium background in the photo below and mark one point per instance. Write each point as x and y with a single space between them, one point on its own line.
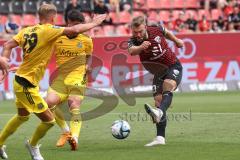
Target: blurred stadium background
205 115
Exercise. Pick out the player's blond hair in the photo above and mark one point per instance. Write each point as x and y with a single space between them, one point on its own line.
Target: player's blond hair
137 21
46 11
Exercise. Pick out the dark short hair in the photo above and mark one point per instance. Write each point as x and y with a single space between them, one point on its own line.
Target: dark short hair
75 15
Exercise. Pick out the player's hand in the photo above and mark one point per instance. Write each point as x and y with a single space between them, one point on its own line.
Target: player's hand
145 45
179 43
98 19
13 69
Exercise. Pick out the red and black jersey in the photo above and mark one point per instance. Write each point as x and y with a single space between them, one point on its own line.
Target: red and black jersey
158 56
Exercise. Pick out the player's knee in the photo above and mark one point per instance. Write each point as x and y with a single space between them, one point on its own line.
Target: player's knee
74 101
169 85
50 123
51 103
23 118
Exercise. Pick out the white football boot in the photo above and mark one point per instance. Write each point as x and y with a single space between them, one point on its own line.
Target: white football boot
156 114
3 153
34 151
159 140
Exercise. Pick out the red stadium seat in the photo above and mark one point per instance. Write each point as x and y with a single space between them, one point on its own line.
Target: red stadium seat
192 4
178 4
97 32
109 30
166 4
60 20
137 13
153 16
4 19
16 19
122 30
114 17
125 17
29 19
202 12
164 16
215 14
154 4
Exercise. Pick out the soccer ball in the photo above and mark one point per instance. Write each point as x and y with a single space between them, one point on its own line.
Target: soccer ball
120 129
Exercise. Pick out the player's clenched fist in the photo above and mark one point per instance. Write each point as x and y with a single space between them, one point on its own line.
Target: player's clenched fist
145 45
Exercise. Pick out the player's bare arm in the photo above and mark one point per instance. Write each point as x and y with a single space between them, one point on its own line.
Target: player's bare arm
4 60
136 50
80 28
88 65
170 36
7 48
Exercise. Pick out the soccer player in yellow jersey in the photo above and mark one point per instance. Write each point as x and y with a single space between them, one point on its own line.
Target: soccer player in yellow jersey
72 55
37 43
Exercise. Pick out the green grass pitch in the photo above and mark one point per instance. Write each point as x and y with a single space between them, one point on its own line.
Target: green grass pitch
202 126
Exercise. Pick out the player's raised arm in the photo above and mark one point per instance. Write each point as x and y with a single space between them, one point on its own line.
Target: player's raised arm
172 37
80 28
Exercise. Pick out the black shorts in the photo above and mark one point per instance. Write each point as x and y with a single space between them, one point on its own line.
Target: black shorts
174 72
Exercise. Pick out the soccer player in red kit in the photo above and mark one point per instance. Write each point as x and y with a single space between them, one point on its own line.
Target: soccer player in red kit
150 44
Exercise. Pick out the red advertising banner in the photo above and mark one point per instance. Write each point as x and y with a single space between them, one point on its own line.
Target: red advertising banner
205 58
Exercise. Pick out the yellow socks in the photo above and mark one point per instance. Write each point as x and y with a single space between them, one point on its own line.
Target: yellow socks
41 131
75 123
11 127
60 120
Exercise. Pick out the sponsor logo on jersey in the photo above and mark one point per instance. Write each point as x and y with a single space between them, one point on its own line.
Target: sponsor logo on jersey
79 45
40 106
176 72
157 39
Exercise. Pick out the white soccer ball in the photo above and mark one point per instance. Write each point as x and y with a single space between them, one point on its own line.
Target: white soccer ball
120 129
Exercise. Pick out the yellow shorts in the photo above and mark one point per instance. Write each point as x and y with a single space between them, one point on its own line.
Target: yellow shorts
29 98
68 87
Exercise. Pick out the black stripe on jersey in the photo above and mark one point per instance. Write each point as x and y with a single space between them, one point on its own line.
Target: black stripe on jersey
28 95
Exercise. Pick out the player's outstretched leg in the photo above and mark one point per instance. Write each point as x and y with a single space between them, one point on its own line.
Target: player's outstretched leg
47 123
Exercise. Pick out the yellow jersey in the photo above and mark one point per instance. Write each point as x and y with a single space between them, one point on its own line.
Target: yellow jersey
37 43
71 56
